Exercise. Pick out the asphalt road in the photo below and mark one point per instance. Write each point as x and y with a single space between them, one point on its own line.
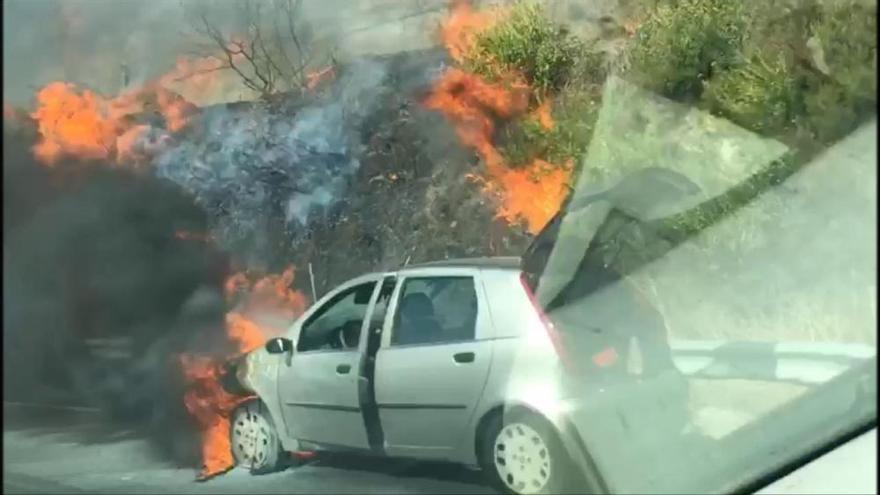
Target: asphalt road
68 451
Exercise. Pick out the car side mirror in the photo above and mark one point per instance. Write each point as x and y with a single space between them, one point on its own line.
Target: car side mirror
279 345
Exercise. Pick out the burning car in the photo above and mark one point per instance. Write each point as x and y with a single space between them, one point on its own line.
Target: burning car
453 360
415 363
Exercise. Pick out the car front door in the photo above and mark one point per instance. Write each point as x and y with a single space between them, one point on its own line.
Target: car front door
433 363
319 385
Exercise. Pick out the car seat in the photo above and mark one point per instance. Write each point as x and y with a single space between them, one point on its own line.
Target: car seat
417 323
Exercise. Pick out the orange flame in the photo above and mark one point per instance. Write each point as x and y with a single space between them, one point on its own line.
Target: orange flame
316 77
187 235
175 109
209 404
72 123
472 104
206 400
9 112
530 194
460 29
83 124
631 26
235 284
544 115
203 80
267 295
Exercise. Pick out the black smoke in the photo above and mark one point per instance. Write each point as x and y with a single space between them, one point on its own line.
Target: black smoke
100 292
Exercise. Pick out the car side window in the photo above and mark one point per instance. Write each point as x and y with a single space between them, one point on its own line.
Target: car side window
337 324
435 310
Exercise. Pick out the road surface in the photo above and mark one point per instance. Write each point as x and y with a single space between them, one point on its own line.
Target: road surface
70 451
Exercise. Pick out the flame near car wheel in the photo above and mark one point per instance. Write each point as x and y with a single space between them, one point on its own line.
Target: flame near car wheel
255 443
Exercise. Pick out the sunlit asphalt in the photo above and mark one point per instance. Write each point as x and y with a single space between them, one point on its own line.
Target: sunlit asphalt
61 451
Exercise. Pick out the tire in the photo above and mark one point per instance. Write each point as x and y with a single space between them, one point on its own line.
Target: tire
254 440
521 454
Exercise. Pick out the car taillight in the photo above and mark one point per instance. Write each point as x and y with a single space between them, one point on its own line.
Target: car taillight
304 454
552 331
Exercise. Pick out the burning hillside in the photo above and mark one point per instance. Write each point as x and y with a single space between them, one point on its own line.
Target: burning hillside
241 164
297 154
531 193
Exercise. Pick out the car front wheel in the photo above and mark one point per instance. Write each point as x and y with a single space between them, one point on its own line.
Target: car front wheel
255 443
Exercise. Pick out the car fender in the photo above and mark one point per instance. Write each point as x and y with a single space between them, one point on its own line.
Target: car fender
258 373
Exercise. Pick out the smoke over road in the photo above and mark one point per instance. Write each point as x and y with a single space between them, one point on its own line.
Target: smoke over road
114 267
99 292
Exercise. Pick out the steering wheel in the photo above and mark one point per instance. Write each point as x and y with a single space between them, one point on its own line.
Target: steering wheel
335 339
351 326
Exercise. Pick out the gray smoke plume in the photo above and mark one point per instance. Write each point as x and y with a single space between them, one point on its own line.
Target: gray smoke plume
245 165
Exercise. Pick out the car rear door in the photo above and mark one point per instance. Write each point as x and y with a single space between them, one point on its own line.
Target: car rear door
320 385
433 362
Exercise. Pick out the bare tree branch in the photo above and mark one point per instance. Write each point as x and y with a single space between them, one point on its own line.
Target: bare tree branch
272 69
281 48
218 38
290 9
222 66
261 56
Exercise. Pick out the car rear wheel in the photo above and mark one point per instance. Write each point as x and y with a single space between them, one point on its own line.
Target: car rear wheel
255 443
522 455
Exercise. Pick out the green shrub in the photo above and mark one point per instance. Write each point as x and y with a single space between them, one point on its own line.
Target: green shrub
831 112
529 42
781 25
681 44
575 111
847 33
812 71
522 141
590 67
761 95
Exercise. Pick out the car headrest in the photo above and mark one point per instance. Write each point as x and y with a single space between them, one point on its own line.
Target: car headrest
417 306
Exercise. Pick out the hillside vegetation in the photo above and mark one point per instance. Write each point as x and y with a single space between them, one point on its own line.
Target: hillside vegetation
803 74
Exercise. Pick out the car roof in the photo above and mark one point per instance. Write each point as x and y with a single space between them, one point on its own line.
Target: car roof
500 262
493 262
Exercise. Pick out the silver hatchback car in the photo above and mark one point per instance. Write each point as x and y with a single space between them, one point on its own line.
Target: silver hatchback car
449 360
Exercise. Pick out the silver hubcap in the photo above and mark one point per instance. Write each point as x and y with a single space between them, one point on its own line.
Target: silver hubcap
251 438
522 458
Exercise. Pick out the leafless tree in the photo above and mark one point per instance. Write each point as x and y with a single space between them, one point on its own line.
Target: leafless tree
272 52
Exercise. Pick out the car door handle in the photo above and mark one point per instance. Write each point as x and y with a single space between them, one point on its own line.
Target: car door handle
343 369
463 357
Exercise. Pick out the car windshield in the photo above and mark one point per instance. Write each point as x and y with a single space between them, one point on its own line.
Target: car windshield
616 246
